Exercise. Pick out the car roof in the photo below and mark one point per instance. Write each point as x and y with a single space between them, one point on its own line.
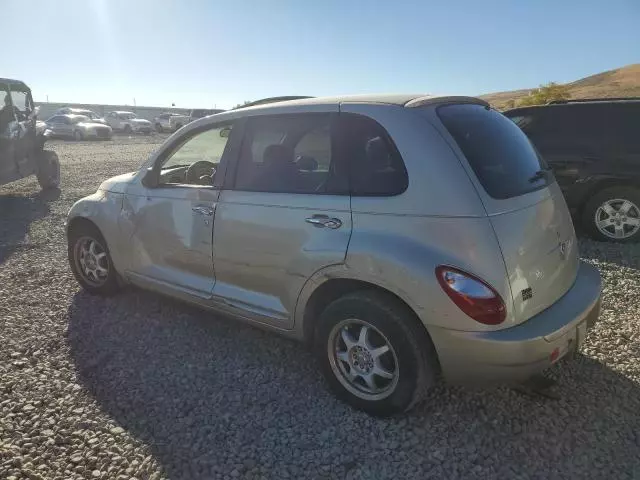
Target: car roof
404 100
14 83
121 111
578 103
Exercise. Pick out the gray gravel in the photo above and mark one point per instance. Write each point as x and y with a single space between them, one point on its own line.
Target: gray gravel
138 386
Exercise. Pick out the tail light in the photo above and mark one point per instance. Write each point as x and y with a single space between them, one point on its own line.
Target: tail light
473 296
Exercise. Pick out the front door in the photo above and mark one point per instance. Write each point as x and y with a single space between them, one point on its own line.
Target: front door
286 216
171 221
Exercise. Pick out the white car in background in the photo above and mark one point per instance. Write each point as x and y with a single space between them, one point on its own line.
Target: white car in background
93 116
170 122
128 122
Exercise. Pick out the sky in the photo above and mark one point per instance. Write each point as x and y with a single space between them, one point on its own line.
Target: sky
210 53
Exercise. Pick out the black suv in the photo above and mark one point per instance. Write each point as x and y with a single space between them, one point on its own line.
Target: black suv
593 148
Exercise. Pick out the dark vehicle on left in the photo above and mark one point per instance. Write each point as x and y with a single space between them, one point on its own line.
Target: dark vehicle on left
22 138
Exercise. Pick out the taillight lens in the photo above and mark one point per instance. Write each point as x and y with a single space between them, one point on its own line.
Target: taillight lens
473 296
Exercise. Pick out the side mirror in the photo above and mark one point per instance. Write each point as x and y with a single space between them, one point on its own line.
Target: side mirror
150 179
224 133
36 110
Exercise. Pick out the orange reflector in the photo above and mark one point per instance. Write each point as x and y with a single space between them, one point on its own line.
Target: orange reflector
554 355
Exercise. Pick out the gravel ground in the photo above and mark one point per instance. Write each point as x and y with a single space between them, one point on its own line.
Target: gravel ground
138 386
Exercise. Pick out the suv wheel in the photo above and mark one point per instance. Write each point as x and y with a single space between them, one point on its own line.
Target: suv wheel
77 135
48 172
90 260
158 128
373 353
614 215
127 129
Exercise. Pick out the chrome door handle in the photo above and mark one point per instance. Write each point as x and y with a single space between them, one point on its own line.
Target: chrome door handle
206 211
322 221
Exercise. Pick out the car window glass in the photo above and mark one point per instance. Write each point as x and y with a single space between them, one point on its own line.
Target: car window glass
286 154
375 166
206 147
315 144
500 154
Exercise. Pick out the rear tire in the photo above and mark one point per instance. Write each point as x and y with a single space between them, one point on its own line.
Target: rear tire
613 215
77 136
90 260
48 172
380 384
127 129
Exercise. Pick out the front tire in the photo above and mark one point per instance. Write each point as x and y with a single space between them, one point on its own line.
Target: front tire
158 128
48 172
613 215
78 136
374 354
90 260
127 129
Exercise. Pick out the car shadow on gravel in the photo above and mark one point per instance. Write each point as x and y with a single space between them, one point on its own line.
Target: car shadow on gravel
210 396
17 213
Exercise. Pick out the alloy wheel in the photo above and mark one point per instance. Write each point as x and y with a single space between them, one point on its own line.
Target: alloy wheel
618 218
363 359
92 261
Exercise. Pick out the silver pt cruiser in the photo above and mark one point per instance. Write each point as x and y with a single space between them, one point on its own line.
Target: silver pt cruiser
404 237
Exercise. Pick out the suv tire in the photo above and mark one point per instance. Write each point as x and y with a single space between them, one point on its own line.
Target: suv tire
617 209
395 351
127 129
48 170
158 128
90 260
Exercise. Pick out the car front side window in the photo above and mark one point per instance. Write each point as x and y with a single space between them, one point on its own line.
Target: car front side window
196 159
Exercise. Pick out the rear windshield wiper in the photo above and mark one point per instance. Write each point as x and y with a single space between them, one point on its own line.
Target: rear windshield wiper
539 175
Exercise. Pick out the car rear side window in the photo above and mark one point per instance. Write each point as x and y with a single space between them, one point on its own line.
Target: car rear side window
290 154
375 165
500 154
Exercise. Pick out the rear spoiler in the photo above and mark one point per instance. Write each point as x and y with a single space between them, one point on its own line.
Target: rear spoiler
433 100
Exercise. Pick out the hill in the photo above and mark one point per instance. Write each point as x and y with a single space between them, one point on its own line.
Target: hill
621 82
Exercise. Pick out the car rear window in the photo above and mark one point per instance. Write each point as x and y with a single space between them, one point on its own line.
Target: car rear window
500 154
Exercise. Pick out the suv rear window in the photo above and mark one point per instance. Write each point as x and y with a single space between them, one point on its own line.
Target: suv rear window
500 154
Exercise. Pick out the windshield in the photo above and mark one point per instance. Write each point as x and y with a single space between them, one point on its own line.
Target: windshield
127 116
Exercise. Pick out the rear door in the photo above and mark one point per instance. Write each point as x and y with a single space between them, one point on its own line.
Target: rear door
571 138
523 201
285 215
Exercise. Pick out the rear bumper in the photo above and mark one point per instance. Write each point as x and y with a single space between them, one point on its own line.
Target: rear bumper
516 353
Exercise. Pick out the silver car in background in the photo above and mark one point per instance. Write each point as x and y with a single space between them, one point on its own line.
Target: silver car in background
78 127
128 122
403 237
96 118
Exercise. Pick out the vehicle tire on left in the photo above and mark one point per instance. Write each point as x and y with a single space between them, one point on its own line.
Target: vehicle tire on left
90 260
48 170
374 354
